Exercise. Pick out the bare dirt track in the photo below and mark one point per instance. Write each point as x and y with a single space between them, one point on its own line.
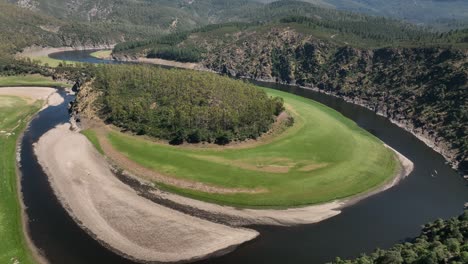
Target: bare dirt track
117 216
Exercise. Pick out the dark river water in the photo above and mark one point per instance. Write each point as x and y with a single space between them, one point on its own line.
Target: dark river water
376 222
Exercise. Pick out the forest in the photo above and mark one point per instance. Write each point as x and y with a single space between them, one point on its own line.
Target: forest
439 242
183 106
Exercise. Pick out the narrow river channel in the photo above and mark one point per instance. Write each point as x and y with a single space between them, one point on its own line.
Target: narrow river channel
379 221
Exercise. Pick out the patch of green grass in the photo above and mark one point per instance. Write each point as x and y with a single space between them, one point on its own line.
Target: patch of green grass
30 80
14 115
323 157
101 54
92 137
47 61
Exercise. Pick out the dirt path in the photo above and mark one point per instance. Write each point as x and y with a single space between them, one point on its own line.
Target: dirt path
117 216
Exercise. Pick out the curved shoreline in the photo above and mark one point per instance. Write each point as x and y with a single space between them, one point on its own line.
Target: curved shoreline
80 181
120 219
246 216
36 51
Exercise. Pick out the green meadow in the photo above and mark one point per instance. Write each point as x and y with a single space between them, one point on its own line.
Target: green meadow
29 80
322 157
15 112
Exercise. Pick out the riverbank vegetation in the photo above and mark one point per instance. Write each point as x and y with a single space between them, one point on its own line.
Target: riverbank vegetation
183 106
439 242
15 112
322 157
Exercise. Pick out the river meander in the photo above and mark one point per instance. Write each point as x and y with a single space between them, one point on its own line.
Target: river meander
433 190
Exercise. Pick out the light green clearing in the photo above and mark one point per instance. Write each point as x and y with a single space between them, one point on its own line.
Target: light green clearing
101 54
323 157
47 61
14 115
30 80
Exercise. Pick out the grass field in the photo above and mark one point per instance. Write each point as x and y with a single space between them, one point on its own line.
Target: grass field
323 157
29 80
101 54
14 115
47 61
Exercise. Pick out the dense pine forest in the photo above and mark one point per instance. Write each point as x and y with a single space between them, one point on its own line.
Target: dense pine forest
183 106
439 242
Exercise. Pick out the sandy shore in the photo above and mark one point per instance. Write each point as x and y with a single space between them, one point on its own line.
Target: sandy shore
182 65
118 216
36 51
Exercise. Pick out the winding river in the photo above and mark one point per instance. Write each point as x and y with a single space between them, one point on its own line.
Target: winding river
433 190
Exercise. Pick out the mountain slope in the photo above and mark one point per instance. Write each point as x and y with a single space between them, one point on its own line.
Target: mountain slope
440 13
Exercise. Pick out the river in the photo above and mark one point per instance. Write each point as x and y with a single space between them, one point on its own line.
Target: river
433 190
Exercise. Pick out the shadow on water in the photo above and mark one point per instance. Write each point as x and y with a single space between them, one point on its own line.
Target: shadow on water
379 221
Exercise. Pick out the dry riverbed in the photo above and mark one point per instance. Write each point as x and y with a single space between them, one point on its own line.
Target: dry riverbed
118 216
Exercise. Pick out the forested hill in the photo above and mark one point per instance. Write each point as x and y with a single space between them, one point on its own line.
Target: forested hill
179 105
440 13
20 28
420 82
156 15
